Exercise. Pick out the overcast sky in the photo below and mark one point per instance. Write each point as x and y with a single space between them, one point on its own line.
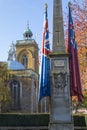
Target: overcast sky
14 15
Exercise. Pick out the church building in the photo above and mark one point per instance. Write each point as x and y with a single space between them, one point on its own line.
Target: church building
23 61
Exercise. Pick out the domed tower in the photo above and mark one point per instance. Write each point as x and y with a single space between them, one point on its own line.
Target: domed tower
27 33
27 51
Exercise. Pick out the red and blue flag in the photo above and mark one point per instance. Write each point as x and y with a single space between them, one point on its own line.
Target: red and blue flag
44 83
75 80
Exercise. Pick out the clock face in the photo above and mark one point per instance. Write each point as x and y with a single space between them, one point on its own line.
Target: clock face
58 63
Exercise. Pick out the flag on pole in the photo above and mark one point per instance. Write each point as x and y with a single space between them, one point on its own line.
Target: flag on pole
75 80
44 83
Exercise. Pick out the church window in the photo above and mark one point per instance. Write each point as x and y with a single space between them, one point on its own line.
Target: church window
15 92
24 60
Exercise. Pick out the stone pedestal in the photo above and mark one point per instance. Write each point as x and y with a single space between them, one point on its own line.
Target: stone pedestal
61 126
61 116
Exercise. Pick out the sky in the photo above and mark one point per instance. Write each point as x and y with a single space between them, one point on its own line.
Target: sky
14 15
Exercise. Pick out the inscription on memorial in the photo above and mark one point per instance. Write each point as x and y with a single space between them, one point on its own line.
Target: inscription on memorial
58 63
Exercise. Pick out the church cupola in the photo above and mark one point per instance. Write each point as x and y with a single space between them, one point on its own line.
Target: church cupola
27 33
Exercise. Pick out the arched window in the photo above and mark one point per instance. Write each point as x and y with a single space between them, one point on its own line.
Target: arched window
15 92
24 61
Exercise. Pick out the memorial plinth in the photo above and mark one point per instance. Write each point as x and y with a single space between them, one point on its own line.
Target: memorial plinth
60 114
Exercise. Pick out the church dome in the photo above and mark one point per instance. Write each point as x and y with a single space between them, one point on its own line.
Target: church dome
27 33
15 65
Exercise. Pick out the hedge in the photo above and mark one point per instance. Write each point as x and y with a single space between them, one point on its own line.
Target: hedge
28 120
79 120
24 119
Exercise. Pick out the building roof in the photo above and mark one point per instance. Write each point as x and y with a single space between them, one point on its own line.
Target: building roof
15 65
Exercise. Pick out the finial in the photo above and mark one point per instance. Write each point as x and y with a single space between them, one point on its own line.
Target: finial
12 44
69 4
28 24
45 6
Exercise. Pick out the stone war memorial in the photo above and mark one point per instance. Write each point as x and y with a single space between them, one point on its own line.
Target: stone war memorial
60 116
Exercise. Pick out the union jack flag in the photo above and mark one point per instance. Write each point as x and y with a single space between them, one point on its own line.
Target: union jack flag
44 84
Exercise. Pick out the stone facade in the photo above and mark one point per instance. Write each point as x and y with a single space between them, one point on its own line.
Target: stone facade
25 95
25 83
29 49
